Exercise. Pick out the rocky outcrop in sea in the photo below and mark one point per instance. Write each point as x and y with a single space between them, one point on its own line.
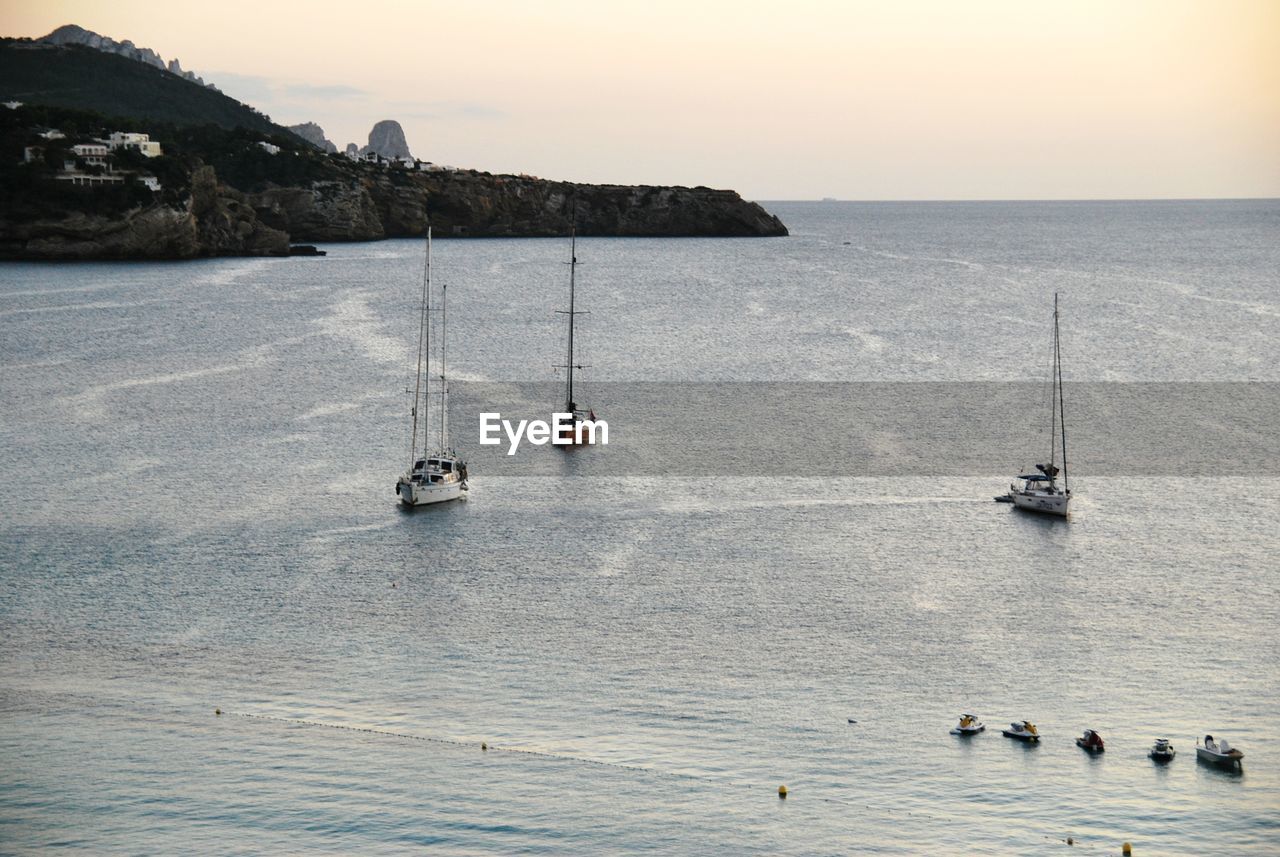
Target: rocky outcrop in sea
386 138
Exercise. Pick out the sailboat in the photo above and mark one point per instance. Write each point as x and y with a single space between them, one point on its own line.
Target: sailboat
573 433
437 476
1039 492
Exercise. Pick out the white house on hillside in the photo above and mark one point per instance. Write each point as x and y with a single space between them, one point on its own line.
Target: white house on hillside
128 140
91 153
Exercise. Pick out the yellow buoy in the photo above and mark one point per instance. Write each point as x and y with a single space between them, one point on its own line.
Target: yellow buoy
484 746
217 711
782 792
1126 849
1070 841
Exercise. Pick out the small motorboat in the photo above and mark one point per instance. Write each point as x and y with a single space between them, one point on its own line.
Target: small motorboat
1024 731
1090 741
1162 750
1218 752
968 725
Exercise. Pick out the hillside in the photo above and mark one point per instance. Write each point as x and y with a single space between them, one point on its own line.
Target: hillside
230 182
112 85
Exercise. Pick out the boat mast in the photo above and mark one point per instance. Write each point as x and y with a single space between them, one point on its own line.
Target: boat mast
1057 362
444 387
572 312
422 332
426 338
1053 394
573 265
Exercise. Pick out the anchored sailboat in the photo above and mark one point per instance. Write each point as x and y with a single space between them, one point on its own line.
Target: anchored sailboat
1039 492
438 475
574 433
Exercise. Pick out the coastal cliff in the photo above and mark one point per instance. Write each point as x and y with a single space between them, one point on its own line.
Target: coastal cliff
479 205
217 219
98 166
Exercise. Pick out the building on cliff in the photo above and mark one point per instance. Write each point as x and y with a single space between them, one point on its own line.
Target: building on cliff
90 166
141 142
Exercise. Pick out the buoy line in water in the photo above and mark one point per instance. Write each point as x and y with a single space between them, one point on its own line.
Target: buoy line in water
484 745
783 792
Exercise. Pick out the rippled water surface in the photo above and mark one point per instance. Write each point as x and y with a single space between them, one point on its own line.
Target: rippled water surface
199 515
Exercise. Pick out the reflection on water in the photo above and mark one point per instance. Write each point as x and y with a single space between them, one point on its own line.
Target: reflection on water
199 513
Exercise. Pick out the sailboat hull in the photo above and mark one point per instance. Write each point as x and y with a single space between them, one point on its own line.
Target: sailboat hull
1036 501
413 494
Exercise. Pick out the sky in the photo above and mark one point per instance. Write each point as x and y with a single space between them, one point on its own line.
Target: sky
911 99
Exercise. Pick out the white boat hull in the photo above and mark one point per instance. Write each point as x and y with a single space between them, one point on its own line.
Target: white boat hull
1039 501
1232 758
414 494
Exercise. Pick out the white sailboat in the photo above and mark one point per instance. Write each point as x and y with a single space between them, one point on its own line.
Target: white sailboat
1040 492
438 475
573 433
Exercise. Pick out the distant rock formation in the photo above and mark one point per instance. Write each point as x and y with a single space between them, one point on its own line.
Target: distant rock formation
314 134
70 34
387 139
353 151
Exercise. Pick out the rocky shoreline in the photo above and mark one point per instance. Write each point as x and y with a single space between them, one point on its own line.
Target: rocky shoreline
218 220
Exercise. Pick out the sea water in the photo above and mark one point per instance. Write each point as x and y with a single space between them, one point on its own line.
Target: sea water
198 515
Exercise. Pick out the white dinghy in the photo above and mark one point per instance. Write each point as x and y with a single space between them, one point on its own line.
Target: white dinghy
1218 752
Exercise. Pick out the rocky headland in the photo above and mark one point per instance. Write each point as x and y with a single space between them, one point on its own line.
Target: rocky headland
225 180
219 220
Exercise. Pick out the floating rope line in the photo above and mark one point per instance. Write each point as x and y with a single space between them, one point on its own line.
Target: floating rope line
564 757
657 772
386 733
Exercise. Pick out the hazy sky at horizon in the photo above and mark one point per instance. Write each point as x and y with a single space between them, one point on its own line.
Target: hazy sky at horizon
918 99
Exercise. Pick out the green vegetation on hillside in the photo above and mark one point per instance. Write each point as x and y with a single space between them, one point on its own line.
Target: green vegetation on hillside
30 191
85 79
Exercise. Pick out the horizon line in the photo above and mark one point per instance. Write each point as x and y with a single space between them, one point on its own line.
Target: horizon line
1034 199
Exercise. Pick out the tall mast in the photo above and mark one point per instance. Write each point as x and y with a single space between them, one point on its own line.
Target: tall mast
426 338
1053 392
573 265
444 386
422 331
1057 362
